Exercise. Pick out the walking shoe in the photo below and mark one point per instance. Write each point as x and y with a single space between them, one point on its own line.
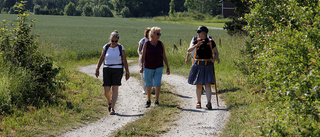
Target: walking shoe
148 104
156 103
144 92
112 112
209 106
198 105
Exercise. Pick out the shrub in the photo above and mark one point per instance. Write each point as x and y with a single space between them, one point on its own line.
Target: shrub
33 74
285 38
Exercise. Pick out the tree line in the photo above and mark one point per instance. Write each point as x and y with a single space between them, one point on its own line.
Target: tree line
104 8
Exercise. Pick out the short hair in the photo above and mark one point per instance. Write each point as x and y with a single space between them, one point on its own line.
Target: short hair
146 32
114 34
153 29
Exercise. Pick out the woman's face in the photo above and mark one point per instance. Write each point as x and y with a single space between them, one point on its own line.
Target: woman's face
201 35
157 34
114 41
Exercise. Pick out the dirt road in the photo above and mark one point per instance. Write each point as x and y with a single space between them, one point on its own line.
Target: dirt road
193 122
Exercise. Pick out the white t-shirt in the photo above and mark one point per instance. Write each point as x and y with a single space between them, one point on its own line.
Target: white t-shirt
112 57
142 41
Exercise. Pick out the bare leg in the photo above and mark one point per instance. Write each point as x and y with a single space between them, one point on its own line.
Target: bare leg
149 93
199 92
107 93
114 95
158 88
208 92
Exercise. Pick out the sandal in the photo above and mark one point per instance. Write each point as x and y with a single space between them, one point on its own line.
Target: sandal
112 112
109 107
198 105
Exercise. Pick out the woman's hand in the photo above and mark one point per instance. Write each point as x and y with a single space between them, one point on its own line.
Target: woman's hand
141 70
216 58
97 73
127 75
168 71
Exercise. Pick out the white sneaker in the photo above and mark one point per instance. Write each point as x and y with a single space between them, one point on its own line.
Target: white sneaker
144 92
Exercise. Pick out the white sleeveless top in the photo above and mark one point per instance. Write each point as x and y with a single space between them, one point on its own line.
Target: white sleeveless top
112 57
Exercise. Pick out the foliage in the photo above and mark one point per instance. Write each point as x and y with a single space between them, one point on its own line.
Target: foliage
285 38
70 9
105 11
237 25
33 74
87 10
211 7
125 12
172 8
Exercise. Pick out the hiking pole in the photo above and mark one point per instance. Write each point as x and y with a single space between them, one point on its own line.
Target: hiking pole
215 85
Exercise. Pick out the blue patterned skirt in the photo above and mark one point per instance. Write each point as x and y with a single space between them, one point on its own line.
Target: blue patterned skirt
201 74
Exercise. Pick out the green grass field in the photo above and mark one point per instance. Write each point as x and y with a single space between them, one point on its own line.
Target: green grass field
85 36
69 39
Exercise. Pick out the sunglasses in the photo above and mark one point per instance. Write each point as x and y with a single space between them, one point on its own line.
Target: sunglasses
114 41
159 34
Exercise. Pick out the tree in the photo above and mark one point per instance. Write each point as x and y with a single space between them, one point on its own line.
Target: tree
236 26
70 9
202 6
118 5
87 10
105 11
96 11
36 9
172 8
125 12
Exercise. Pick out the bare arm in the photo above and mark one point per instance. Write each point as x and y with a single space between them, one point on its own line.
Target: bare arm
165 59
100 62
216 55
143 57
192 47
125 63
139 49
187 57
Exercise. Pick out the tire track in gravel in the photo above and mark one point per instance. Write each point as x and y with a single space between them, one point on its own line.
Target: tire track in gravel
130 105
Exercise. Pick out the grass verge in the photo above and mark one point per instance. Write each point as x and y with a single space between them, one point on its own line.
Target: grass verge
81 102
156 120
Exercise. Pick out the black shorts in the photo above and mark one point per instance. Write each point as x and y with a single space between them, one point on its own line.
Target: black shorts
112 76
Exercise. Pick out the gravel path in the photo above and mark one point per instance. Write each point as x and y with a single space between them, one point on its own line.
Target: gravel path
193 122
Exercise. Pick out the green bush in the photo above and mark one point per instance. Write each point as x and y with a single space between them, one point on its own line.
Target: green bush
284 44
31 74
125 12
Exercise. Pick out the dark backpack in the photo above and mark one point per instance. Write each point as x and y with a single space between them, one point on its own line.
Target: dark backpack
120 50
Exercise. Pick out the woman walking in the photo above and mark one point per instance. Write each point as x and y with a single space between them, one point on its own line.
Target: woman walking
202 69
153 55
114 58
141 43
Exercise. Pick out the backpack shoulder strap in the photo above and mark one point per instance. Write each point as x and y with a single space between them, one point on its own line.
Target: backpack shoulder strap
107 47
120 50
